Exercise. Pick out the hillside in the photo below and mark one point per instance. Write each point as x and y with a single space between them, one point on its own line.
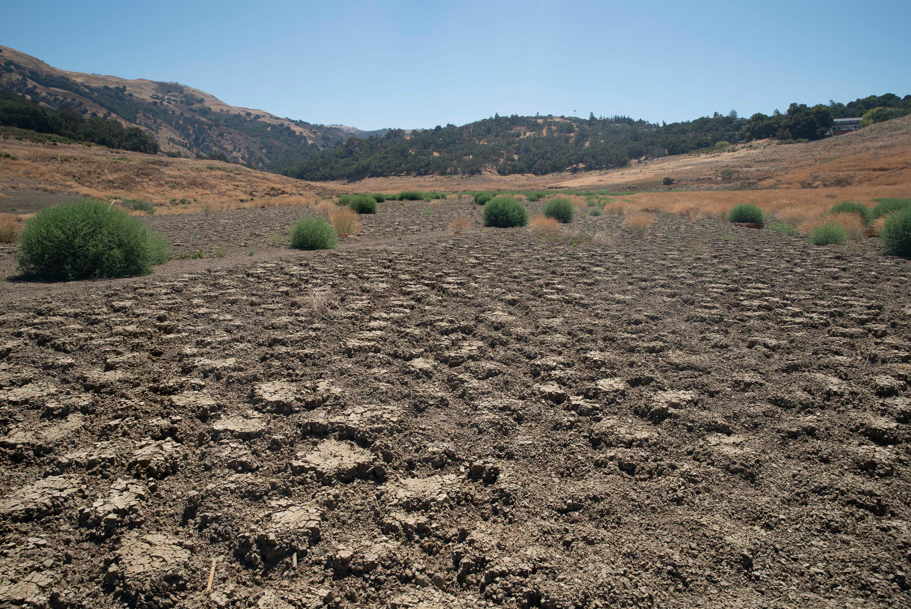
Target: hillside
180 118
539 145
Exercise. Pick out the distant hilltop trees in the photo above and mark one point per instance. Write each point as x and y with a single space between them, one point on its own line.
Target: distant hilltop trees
541 145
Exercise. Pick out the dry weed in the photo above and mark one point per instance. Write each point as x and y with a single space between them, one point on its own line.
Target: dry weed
542 225
460 224
345 222
326 208
877 227
10 227
639 223
320 303
852 223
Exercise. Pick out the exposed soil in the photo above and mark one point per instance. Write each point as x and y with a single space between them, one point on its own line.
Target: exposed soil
711 416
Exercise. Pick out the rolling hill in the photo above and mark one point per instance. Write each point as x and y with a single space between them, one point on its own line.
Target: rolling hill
180 118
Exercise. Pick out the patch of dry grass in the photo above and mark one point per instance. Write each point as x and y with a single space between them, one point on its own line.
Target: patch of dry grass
460 224
639 223
345 222
10 227
542 225
852 223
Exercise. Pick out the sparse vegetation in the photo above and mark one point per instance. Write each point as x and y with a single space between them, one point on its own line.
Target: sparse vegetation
138 205
314 233
828 233
460 224
505 212
345 222
88 239
10 227
594 211
746 213
639 224
895 236
865 213
544 225
783 228
560 209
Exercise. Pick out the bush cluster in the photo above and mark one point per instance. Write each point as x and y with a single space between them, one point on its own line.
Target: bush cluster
887 206
88 239
313 233
896 234
380 197
482 198
410 195
850 207
560 209
827 234
505 212
746 213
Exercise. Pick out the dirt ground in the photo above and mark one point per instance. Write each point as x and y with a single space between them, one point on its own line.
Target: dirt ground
712 416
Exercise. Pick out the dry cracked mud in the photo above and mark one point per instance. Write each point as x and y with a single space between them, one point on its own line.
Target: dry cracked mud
713 416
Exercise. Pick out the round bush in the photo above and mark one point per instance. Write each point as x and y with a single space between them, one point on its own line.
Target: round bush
88 239
505 212
380 197
827 234
887 206
746 213
854 208
561 210
313 233
481 198
896 235
363 204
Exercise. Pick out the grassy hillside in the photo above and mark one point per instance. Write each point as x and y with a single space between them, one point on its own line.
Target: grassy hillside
181 119
544 145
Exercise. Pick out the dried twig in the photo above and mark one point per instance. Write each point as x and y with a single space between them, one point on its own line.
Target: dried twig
211 576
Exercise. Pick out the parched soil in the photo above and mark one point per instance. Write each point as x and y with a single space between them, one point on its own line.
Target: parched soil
711 416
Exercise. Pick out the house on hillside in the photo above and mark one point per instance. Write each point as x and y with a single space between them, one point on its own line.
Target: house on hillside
840 126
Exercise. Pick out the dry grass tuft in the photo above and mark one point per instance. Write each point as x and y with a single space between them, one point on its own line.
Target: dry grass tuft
877 227
326 208
543 225
639 223
345 222
460 224
10 227
852 223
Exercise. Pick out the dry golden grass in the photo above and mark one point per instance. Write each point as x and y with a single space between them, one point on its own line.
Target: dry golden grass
326 207
877 227
345 222
852 223
639 223
10 227
542 225
460 224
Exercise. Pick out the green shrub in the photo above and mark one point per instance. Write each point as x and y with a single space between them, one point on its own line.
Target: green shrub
887 206
827 234
433 196
746 213
594 211
854 208
313 233
363 204
505 212
896 235
481 198
410 195
380 197
560 209
784 228
536 196
346 199
88 239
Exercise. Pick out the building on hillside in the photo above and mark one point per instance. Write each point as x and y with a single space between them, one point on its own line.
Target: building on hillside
840 126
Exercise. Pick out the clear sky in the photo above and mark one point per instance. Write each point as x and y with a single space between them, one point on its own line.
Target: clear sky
399 63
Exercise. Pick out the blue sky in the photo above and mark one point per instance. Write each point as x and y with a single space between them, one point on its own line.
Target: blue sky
419 64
